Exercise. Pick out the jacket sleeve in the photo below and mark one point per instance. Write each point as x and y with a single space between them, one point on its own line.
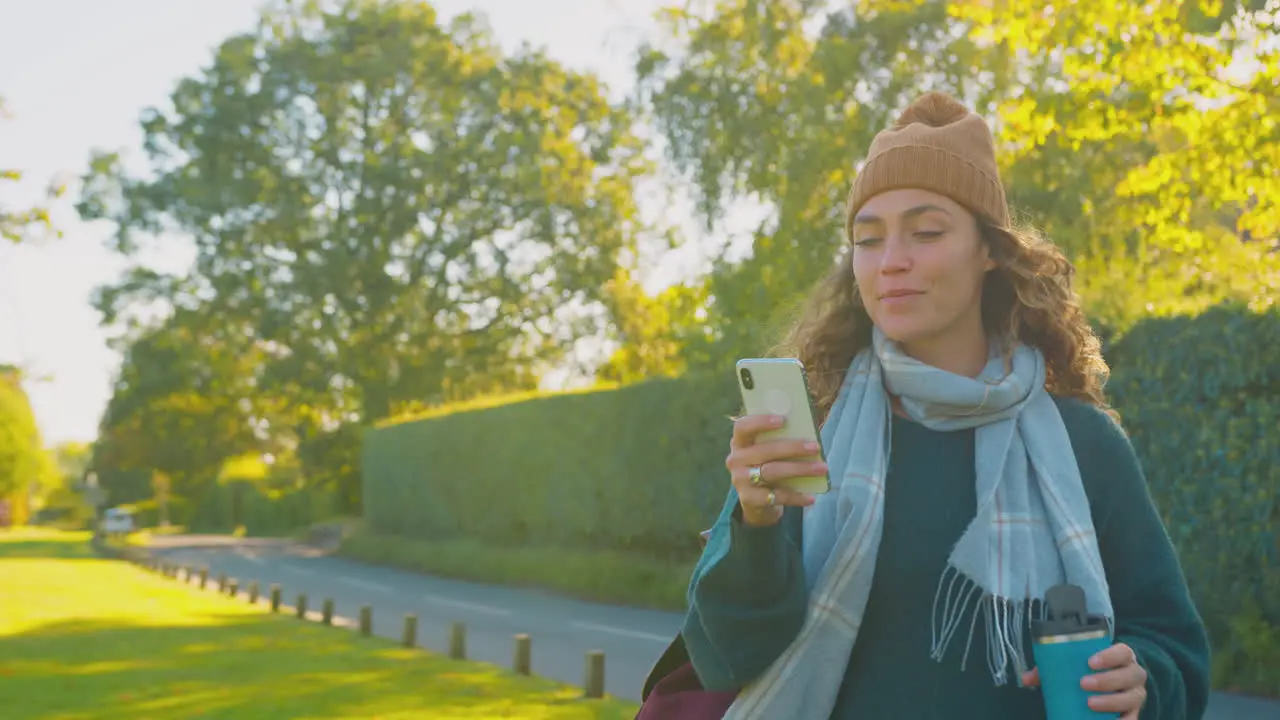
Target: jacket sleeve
747 598
1154 612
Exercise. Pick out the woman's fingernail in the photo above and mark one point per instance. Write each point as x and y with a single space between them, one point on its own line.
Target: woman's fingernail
811 446
809 499
1089 683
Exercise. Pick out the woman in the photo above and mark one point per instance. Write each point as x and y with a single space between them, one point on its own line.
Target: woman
974 464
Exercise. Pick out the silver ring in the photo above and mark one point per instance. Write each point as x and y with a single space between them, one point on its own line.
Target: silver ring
773 499
756 476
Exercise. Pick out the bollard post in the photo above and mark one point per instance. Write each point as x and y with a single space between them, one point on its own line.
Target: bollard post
233 587
410 637
366 620
458 641
594 683
222 582
327 612
204 577
302 606
522 661
275 598
253 593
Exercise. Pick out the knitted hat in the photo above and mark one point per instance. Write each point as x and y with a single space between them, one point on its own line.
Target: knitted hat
936 145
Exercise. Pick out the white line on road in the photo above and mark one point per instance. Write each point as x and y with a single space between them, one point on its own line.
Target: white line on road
475 607
365 585
623 631
251 558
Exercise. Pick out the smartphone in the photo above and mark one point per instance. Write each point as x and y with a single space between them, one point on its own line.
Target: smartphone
778 386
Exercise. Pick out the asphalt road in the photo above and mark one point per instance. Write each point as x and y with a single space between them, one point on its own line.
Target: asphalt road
562 630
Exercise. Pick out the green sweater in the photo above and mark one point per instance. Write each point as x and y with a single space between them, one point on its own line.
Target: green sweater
747 606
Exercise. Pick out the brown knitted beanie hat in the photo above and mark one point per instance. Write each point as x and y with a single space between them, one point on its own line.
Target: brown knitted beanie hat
936 145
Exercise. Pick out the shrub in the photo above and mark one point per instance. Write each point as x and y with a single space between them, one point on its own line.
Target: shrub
1200 397
638 469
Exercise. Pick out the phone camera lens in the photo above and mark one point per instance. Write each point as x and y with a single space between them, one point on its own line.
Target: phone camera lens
747 381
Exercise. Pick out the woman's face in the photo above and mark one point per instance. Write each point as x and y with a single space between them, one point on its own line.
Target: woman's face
919 261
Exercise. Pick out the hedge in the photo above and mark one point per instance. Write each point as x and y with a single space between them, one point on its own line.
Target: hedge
1200 398
637 469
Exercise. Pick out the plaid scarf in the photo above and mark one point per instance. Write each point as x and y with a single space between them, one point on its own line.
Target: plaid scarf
1032 529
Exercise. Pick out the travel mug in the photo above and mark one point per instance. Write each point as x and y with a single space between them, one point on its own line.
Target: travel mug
1062 645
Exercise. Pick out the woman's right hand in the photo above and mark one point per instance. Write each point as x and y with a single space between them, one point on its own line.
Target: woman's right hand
762 501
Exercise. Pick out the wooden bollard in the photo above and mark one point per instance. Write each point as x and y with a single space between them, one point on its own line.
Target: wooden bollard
594 682
302 606
523 656
222 582
327 612
233 587
410 636
458 641
366 620
253 593
275 598
204 577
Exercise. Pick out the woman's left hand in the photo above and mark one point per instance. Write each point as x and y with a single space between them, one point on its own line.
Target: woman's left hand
1118 675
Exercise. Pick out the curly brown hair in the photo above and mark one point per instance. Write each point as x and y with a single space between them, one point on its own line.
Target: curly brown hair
1026 298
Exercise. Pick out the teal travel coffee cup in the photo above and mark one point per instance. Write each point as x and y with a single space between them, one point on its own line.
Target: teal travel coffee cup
1062 645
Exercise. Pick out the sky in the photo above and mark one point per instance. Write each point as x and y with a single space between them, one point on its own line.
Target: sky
76 74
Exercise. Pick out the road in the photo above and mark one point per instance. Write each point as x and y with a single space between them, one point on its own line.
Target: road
562 630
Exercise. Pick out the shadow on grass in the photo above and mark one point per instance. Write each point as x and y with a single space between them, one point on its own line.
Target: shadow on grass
45 545
258 668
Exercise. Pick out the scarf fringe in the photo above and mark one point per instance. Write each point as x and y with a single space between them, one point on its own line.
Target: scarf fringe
1007 624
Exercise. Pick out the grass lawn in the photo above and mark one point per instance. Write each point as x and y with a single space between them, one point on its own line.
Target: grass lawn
82 637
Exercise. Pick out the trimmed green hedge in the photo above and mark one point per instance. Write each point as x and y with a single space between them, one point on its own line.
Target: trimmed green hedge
1200 397
638 469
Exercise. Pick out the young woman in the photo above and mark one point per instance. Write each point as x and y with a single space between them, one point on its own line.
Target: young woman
974 464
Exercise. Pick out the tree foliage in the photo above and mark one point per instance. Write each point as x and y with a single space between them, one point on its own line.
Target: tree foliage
17 225
27 469
394 205
1139 136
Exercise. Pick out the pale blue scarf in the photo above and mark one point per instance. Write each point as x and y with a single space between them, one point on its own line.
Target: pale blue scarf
1032 529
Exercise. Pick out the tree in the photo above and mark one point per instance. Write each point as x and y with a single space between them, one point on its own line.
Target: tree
183 402
1150 134
27 470
776 101
393 206
18 225
652 331
1196 82
1130 143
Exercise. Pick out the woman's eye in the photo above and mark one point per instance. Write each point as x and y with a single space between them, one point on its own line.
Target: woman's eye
928 234
863 242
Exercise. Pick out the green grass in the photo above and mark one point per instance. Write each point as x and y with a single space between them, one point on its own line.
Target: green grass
85 638
588 574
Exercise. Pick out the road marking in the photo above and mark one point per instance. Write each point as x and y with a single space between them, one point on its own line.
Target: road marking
475 607
365 585
623 631
251 558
